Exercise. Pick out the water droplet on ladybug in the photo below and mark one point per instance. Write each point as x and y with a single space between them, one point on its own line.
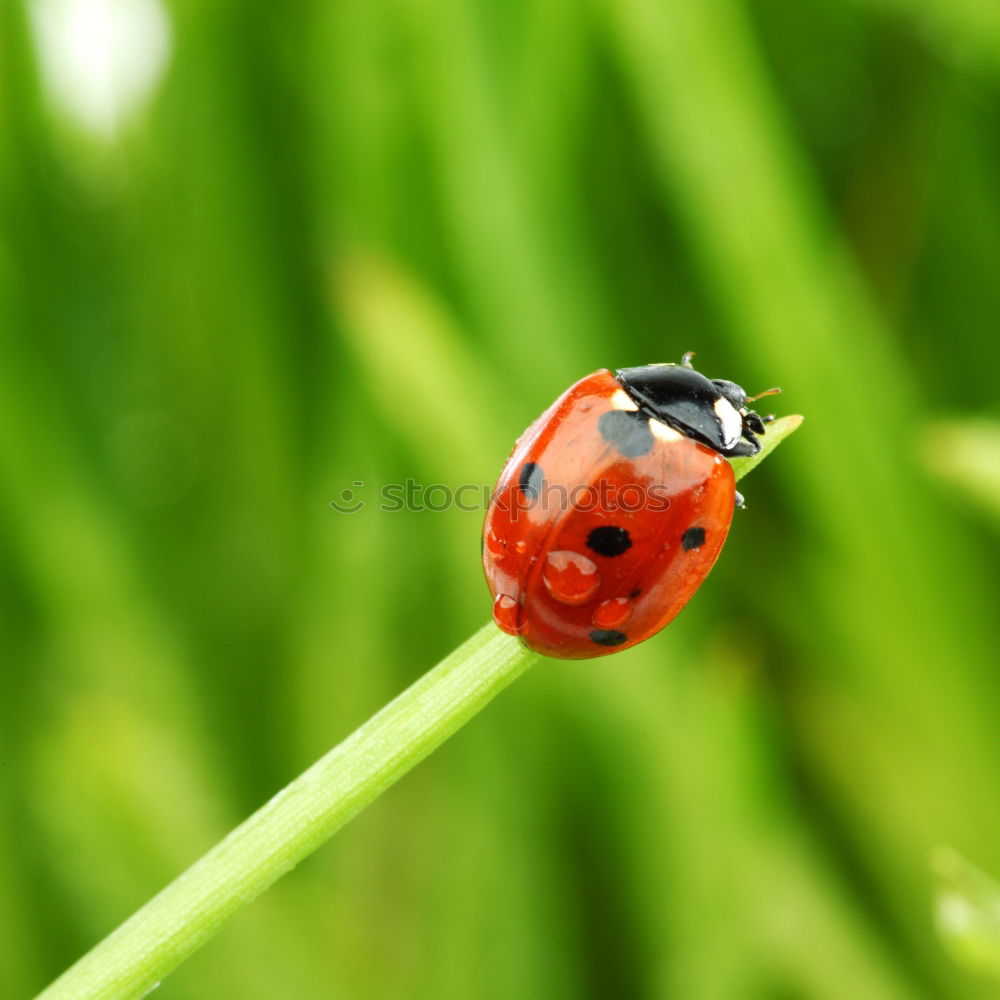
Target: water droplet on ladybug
520 546
570 577
506 613
495 545
612 614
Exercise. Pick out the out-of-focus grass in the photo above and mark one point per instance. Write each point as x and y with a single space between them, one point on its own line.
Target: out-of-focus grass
967 912
966 32
965 454
201 323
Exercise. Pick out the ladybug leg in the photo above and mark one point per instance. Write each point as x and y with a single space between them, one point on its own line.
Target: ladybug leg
753 422
686 360
744 449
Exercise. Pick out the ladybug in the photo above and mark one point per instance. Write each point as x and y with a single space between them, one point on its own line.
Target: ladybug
614 505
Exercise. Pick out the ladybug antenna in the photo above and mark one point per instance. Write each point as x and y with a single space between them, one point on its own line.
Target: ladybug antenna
686 360
760 395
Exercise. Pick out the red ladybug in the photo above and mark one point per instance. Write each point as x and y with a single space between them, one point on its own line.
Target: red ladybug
613 507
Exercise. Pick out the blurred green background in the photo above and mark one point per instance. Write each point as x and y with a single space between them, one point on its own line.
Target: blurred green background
251 255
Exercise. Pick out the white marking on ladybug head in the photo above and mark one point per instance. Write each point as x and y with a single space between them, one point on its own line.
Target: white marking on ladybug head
730 421
621 400
664 432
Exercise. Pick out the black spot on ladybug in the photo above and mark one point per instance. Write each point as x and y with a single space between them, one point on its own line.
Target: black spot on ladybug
530 481
628 430
607 637
609 540
635 593
693 538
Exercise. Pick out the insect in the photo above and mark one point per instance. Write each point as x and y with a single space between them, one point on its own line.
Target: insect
614 505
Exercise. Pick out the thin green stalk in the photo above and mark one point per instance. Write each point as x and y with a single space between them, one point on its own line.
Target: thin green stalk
175 923
155 940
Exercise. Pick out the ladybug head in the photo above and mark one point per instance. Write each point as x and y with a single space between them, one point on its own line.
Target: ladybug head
712 411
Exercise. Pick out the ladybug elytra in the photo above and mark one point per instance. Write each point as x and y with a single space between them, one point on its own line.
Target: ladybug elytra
614 506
